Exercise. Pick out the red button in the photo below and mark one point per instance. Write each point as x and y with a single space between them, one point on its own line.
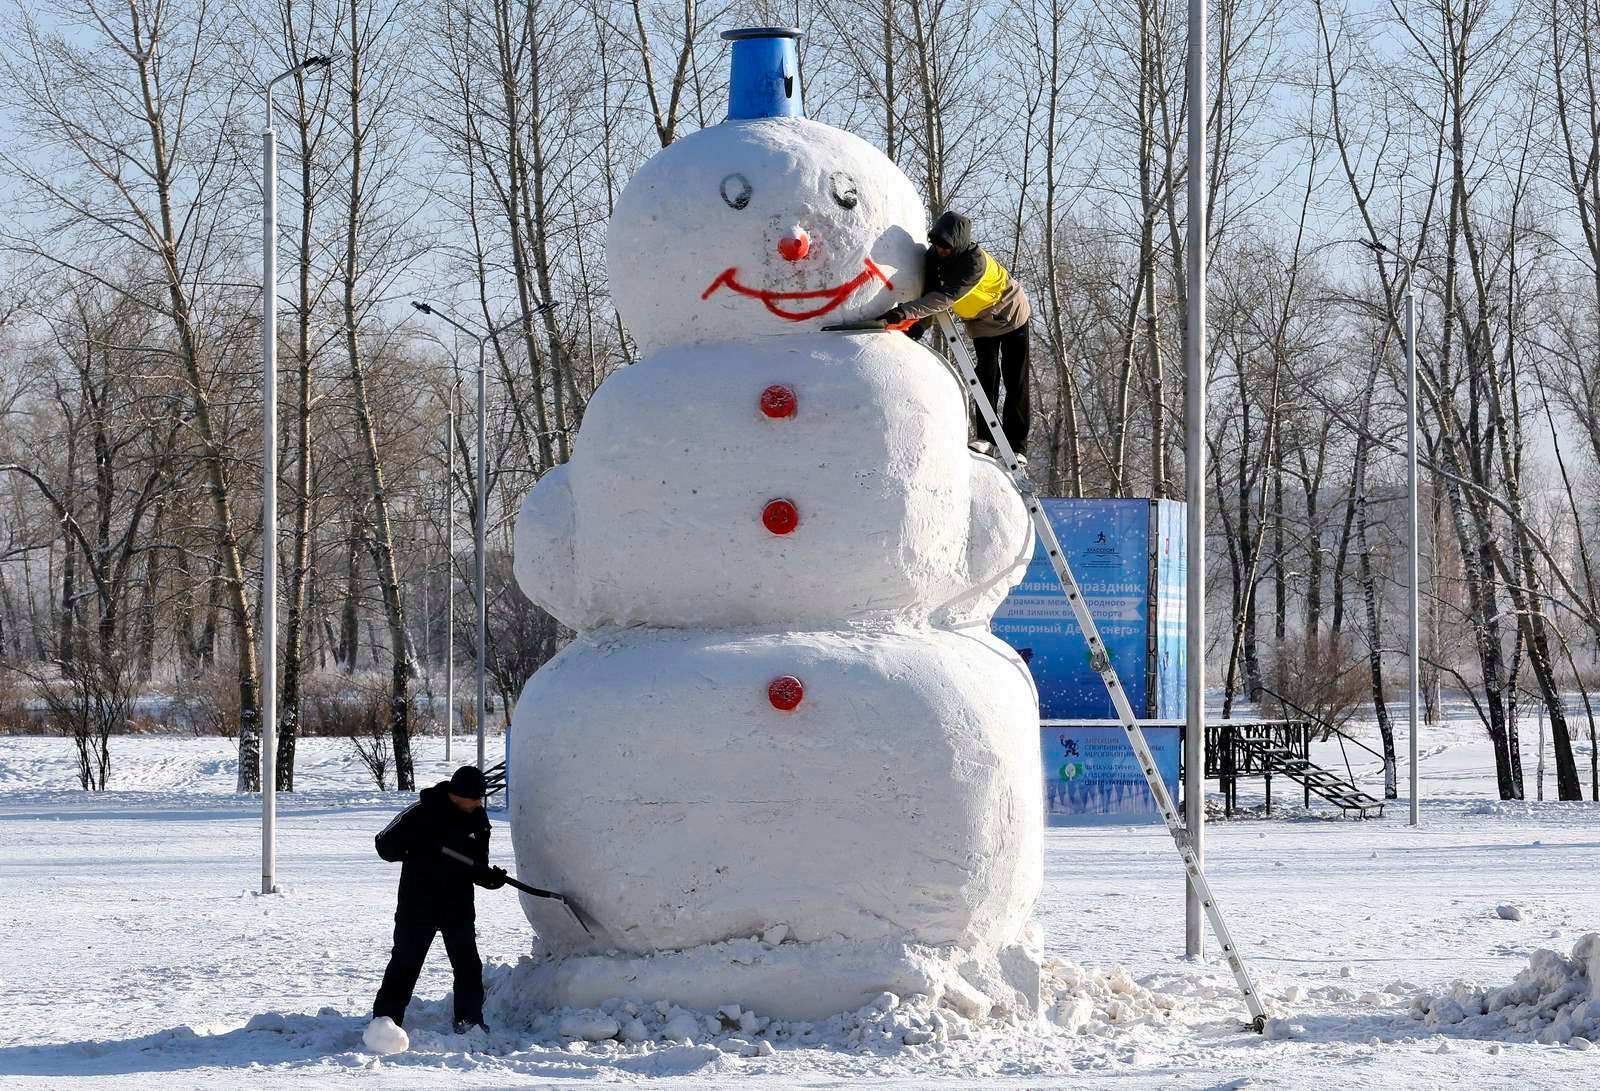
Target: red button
785 693
780 516
778 401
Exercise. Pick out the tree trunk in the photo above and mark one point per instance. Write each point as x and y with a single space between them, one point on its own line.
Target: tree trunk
1369 596
382 541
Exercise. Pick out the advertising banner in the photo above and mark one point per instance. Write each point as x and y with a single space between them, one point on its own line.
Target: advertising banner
1107 543
1090 774
1170 667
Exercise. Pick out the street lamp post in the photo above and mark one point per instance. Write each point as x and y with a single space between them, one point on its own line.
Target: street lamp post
483 505
269 480
1194 460
1412 646
450 575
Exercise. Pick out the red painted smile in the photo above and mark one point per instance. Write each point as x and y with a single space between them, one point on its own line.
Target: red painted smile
829 297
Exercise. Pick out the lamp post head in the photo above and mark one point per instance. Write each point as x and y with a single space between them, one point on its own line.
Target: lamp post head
318 61
423 307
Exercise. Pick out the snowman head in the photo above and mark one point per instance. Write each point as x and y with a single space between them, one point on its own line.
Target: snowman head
766 224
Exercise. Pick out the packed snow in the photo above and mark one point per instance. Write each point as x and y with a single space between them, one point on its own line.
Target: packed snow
758 503
140 956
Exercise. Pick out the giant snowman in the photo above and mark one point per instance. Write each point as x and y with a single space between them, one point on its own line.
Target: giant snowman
783 764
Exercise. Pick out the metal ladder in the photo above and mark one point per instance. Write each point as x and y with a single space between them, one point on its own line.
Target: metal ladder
1100 661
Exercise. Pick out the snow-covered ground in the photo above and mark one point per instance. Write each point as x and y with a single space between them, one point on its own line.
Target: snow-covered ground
135 953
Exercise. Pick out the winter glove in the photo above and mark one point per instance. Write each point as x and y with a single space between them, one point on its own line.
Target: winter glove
491 878
893 316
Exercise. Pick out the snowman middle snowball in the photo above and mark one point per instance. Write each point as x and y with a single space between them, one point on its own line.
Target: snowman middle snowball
795 719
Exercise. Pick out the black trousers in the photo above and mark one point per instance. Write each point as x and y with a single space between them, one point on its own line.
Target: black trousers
411 943
1005 356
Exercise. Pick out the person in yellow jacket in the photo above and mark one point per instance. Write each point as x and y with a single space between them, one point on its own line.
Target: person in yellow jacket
961 276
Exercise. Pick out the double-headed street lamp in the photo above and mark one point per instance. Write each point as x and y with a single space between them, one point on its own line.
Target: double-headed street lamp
483 505
269 476
1411 503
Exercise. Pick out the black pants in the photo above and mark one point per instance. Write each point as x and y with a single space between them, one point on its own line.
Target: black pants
1005 356
411 943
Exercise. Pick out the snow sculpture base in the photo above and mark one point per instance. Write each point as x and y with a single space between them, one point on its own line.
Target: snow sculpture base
653 781
805 980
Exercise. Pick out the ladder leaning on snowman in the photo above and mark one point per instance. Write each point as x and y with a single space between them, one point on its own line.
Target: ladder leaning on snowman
961 276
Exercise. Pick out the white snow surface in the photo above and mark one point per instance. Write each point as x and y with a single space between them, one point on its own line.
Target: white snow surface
139 956
685 265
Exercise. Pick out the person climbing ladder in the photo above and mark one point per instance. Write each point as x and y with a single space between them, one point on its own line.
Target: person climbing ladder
961 276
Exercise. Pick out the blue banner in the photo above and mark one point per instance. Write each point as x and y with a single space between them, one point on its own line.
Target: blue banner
1172 628
1107 544
1090 773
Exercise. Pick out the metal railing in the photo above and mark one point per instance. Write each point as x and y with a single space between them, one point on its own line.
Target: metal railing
1327 729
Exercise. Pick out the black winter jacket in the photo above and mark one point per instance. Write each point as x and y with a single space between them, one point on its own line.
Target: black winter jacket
435 889
945 281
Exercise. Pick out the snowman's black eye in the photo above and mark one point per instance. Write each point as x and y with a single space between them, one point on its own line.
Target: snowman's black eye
844 189
736 191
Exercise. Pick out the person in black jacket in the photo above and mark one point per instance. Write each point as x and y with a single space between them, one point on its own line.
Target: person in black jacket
960 276
436 892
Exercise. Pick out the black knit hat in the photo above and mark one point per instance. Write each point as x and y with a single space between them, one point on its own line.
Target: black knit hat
952 230
468 783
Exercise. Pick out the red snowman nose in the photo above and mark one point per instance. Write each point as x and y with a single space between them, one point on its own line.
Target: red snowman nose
785 693
795 244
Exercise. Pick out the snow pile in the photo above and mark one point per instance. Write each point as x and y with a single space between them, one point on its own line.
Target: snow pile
1103 1001
383 1036
1088 1001
794 981
887 1023
1556 1000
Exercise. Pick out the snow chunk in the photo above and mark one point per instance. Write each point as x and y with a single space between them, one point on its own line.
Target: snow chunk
591 1026
776 934
383 1036
1277 1030
1072 1013
682 1026
1508 912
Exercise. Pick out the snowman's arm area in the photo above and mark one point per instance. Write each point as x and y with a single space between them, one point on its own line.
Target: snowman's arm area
544 548
999 541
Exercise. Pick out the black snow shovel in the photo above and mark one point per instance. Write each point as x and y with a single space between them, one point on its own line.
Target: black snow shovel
570 905
870 325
